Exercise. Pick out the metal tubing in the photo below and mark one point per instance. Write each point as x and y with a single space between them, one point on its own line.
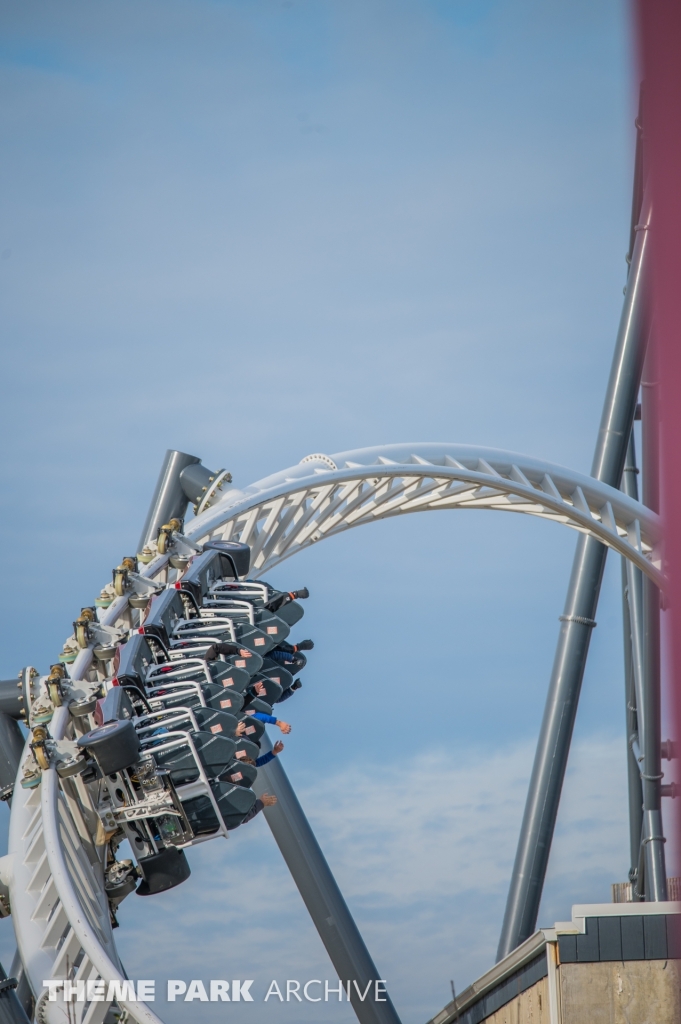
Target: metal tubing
632 642
23 990
553 746
627 365
169 500
634 789
637 191
12 743
321 895
555 735
639 890
11 1010
635 602
11 698
650 730
653 837
194 480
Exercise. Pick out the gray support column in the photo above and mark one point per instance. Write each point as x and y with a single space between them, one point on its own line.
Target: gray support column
11 737
321 895
170 500
634 788
555 735
635 601
11 698
650 730
633 642
12 744
11 1010
182 480
653 837
23 990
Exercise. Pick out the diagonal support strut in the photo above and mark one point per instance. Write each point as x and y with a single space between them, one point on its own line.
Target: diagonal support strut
553 746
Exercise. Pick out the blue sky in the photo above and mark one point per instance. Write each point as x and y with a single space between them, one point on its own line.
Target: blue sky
253 231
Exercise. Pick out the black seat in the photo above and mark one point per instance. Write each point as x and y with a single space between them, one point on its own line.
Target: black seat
115 745
285 606
213 625
254 639
292 661
233 801
238 554
189 669
239 774
256 704
166 611
163 870
273 625
226 673
256 593
215 721
133 660
173 693
222 627
278 673
196 647
198 670
215 696
291 613
115 705
226 700
245 748
254 728
215 751
208 720
246 660
207 569
273 690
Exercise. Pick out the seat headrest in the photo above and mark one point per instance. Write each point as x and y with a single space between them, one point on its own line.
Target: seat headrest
213 565
238 554
134 658
164 611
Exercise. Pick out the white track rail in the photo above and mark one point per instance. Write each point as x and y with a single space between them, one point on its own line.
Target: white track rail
57 893
59 907
325 495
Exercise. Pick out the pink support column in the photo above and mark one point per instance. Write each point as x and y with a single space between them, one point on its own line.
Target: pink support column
659 37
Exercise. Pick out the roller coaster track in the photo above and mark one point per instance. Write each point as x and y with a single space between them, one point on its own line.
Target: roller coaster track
324 496
54 871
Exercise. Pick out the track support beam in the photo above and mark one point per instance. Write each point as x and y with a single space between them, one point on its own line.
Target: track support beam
650 732
632 630
170 500
321 895
578 619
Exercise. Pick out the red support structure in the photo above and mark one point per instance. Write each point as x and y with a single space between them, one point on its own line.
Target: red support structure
659 36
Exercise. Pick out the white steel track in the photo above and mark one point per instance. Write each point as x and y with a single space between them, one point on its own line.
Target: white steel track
56 885
59 908
325 495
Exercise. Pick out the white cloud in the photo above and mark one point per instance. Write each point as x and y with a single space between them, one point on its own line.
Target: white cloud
457 815
422 851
